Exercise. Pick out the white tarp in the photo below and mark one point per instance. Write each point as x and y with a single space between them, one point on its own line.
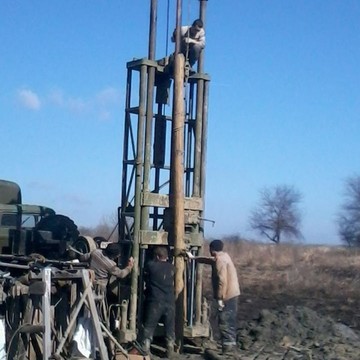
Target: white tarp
84 337
2 340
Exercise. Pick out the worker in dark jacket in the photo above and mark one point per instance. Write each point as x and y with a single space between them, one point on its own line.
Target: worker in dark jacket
160 299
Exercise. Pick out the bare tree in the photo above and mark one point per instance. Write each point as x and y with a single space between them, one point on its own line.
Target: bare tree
277 213
349 216
106 228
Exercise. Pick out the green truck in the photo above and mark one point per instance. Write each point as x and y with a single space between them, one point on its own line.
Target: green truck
27 229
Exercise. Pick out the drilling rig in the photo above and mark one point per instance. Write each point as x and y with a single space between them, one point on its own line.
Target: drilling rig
163 181
46 296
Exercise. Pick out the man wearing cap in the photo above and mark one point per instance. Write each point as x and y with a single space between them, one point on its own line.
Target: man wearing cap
102 262
226 292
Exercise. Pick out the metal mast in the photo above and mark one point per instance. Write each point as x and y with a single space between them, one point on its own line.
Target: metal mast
163 182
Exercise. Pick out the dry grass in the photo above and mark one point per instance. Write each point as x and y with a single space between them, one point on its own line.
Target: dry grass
325 279
288 268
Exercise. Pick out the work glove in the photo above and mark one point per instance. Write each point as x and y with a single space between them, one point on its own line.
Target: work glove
130 263
37 257
221 305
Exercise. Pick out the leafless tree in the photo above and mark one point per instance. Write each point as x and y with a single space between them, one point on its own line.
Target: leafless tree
349 216
277 213
106 228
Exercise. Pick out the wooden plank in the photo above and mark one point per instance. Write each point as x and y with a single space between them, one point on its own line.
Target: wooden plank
95 318
149 237
47 344
162 200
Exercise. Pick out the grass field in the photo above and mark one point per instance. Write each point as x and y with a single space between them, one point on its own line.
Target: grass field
326 279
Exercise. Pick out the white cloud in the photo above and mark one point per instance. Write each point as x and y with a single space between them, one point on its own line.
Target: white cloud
108 96
104 115
56 97
77 105
101 104
29 99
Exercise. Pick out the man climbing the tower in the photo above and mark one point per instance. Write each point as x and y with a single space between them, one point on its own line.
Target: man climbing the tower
192 41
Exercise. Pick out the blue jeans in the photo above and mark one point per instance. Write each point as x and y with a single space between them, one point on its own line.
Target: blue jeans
228 322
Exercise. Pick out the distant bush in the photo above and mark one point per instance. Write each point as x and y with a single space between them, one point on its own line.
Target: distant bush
106 228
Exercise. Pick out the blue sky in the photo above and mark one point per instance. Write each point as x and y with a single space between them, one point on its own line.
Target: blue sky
284 103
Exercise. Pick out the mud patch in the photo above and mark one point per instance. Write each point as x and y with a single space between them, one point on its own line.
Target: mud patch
296 333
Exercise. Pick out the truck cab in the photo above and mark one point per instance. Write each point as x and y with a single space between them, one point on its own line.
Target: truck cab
25 229
17 225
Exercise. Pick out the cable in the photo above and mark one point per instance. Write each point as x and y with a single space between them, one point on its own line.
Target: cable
15 334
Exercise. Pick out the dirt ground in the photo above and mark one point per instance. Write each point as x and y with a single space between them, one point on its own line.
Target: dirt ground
314 315
282 326
292 326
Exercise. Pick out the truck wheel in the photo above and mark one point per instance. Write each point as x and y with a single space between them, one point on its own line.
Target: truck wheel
61 227
85 244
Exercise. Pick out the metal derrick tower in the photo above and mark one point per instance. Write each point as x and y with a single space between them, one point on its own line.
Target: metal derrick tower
163 176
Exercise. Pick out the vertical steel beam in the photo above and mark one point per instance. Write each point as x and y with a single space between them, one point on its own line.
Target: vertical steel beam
199 147
138 183
203 18
189 152
204 137
148 134
198 290
149 103
152 29
148 139
199 168
149 110
204 110
159 157
124 198
178 26
198 137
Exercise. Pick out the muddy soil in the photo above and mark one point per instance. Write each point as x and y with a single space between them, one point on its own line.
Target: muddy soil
297 332
292 327
294 323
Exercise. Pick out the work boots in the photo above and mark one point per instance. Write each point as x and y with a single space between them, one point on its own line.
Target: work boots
230 352
145 346
170 351
227 349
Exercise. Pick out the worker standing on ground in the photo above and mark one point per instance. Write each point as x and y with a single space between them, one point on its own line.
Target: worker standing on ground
226 291
192 41
159 300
